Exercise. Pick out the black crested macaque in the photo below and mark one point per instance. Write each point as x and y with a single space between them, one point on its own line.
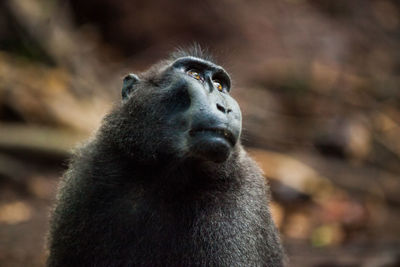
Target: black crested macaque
165 181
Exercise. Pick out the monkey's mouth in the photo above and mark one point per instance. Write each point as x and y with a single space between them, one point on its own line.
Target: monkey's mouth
220 132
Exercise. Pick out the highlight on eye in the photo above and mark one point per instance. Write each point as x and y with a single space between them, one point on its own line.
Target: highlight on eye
218 85
194 74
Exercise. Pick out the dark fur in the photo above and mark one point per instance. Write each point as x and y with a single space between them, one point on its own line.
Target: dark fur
130 198
195 51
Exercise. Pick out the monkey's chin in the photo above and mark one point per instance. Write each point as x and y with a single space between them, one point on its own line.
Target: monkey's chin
211 148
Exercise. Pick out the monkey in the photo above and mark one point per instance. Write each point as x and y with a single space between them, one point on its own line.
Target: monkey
165 180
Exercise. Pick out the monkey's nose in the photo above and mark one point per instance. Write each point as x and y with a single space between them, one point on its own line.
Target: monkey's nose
223 109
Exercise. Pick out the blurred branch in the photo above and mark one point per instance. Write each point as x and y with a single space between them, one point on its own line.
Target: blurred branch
321 177
34 138
50 27
43 96
293 173
388 132
357 179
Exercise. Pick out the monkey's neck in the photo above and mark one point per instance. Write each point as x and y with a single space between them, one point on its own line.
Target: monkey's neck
179 177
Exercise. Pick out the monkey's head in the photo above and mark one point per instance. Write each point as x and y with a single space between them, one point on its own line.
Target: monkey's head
179 109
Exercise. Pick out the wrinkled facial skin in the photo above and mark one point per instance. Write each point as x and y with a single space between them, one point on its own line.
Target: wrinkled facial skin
183 111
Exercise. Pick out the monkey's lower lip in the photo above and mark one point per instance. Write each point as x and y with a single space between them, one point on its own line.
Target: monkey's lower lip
224 133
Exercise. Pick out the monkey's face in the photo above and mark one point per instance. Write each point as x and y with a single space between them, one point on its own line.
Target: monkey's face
184 110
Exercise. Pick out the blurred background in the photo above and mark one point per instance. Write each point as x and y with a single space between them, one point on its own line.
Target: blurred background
318 83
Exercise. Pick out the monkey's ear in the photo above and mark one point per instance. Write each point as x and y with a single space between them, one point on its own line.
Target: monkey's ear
129 82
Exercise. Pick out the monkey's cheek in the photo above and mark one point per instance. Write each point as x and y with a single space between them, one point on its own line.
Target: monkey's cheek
215 149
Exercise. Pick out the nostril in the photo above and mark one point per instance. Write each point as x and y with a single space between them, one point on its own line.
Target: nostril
221 108
229 110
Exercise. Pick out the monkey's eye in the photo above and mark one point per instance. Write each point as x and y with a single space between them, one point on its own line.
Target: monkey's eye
218 85
194 74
